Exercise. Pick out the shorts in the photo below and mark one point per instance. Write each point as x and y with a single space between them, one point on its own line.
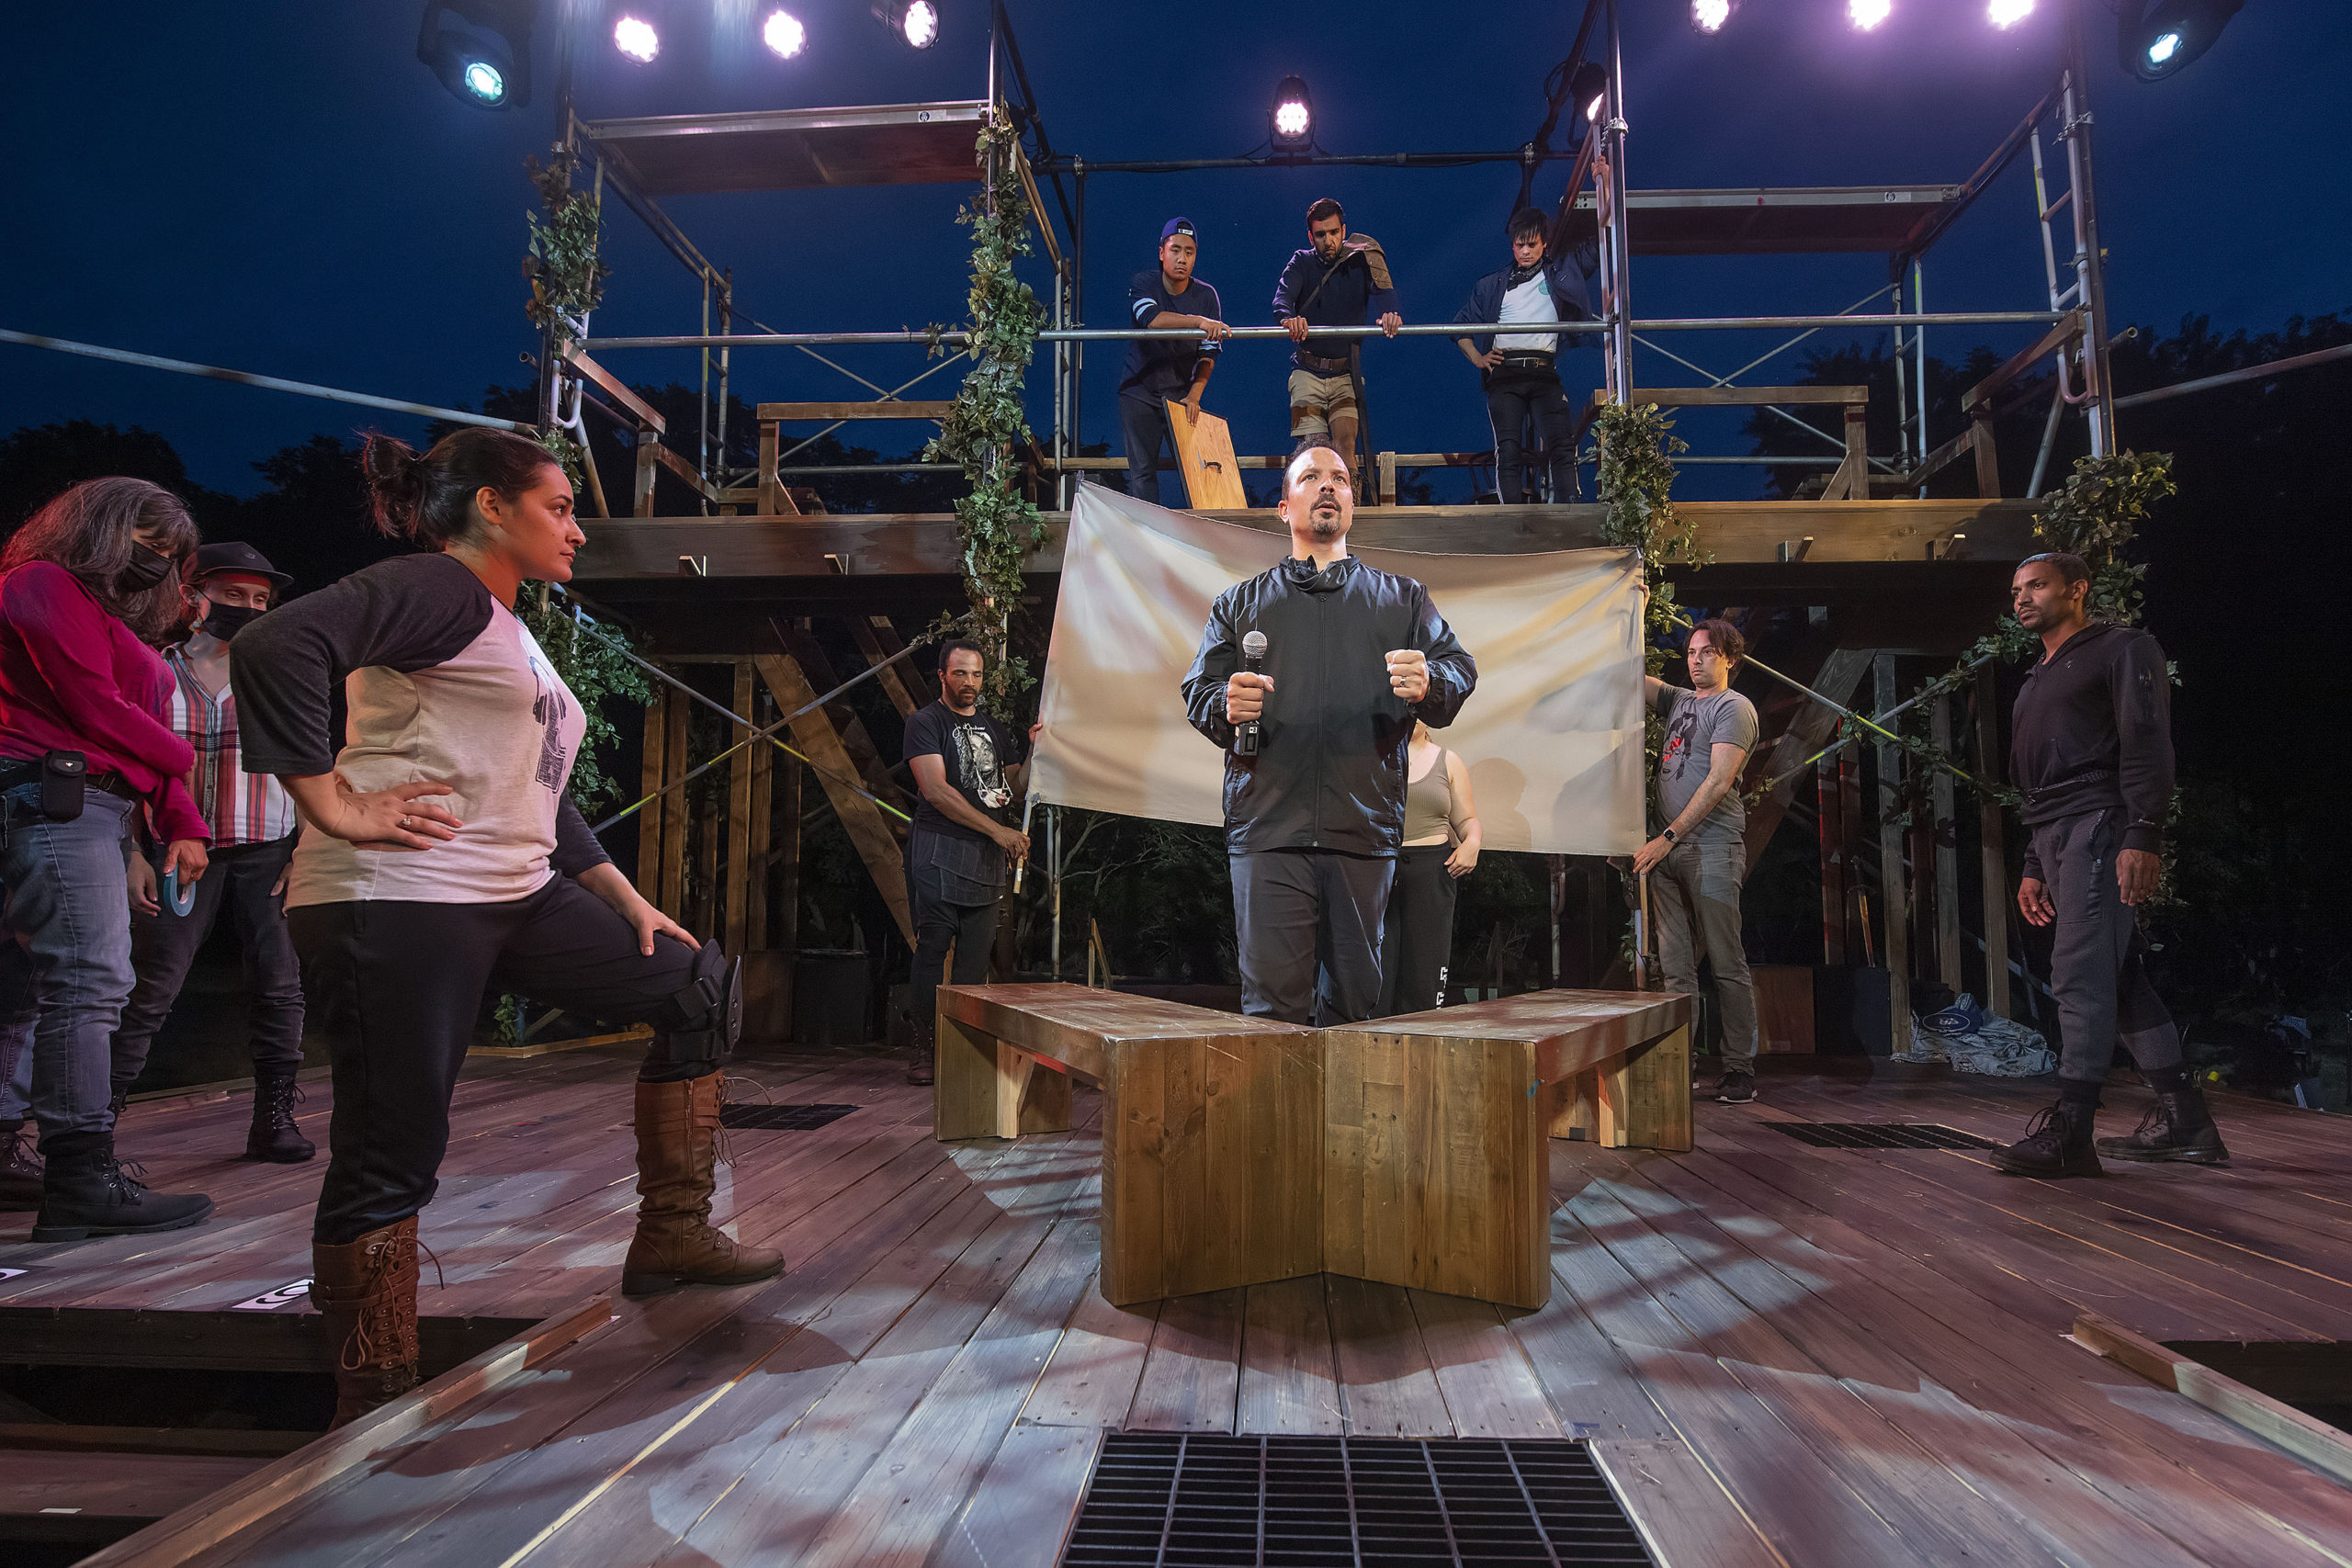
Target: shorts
1317 401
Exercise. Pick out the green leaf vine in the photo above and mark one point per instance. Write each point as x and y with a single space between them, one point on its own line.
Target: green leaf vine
567 280
995 525
1637 447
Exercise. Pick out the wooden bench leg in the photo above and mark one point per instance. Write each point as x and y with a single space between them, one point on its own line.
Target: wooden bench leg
1655 1081
964 1095
1031 1095
1579 1113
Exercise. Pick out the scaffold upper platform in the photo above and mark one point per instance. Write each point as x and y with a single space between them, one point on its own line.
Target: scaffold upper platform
874 144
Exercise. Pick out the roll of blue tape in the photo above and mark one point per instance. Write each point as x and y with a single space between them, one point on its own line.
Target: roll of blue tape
180 899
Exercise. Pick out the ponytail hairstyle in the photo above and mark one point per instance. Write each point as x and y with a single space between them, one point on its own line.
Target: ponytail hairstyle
89 530
428 500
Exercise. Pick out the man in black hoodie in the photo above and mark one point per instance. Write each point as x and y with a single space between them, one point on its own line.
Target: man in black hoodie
2090 744
1313 816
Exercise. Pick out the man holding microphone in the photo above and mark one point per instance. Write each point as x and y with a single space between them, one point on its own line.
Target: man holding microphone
1314 729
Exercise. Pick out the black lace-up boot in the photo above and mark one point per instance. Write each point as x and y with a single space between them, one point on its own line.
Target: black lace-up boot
2177 1127
19 1168
2057 1141
274 1136
85 1193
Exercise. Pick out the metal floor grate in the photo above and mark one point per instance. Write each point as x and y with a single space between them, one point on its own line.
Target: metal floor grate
1881 1135
780 1118
1170 1501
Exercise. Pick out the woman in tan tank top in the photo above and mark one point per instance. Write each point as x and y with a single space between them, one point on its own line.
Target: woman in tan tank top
1441 839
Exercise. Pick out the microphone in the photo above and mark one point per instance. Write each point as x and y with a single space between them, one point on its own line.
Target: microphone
1254 659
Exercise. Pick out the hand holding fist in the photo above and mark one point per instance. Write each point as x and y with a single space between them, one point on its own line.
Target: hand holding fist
1409 674
1245 697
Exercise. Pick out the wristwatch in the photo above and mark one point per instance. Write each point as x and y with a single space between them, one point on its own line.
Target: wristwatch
1668 834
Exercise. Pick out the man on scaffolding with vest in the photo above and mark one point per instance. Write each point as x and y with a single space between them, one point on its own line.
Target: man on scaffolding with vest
1338 280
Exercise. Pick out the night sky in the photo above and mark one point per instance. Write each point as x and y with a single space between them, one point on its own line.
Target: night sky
291 193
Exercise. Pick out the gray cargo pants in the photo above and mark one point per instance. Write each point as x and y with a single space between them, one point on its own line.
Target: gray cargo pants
1694 898
2096 974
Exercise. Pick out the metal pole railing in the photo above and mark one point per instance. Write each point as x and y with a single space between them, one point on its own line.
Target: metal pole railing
1411 329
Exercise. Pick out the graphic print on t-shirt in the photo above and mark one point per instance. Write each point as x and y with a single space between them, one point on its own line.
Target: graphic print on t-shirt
982 769
551 710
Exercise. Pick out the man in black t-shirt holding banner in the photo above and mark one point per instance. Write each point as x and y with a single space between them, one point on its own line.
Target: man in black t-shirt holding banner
967 772
1164 370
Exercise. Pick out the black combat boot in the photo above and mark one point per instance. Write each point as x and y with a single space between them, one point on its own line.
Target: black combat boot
2177 1127
273 1137
2057 1141
84 1192
19 1168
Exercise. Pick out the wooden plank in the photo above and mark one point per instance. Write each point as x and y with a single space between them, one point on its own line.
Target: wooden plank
739 816
1091 1380
100 1485
683 470
1851 480
645 414
202 1525
1736 397
1988 459
673 806
1021 1512
649 461
872 837
773 499
799 641
861 631
762 827
1686 1516
1289 1380
1656 1080
1205 457
228 1443
1490 1390
2306 1437
1810 724
2066 329
650 778
792 414
1947 837
964 1069
1191 1378
1388 1385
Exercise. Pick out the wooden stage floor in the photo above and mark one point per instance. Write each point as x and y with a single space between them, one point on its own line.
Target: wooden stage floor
1784 1353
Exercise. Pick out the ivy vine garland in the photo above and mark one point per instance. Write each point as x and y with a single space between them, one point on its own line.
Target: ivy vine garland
996 526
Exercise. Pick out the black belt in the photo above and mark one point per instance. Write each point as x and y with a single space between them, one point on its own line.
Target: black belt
25 770
1321 366
1532 360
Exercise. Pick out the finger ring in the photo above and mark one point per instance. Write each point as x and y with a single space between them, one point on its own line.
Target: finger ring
405 824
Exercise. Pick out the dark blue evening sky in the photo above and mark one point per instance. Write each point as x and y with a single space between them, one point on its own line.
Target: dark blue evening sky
291 193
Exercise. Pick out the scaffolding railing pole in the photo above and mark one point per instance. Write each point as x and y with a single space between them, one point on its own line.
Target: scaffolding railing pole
1621 257
2090 275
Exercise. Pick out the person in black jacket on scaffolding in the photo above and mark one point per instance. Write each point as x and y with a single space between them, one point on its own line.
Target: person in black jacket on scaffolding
1315 732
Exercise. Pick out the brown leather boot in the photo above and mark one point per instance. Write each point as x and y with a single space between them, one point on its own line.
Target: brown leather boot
367 1291
677 1159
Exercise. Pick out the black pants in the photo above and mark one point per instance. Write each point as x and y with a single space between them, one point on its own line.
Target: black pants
1514 396
1308 924
2098 974
1417 940
952 896
396 985
163 944
1143 422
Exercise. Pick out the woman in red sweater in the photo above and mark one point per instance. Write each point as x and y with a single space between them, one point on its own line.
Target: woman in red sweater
83 583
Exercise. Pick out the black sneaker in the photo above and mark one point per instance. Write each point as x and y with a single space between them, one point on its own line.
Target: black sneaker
2057 1143
1737 1087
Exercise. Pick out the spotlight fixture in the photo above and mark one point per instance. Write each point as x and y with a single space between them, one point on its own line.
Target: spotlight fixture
1709 15
1588 88
1868 13
2007 13
2157 38
783 33
915 21
1292 116
635 37
479 49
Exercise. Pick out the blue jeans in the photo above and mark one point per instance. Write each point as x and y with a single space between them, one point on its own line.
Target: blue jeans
68 915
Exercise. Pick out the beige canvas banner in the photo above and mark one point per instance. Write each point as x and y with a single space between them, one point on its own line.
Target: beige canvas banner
1552 735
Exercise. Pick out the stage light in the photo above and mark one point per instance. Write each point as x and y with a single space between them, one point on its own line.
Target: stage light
915 21
2158 37
1868 13
479 49
635 37
1292 116
1589 90
2008 13
783 33
1709 15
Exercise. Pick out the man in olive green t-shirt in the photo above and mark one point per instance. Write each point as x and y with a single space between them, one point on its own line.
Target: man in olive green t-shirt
1700 861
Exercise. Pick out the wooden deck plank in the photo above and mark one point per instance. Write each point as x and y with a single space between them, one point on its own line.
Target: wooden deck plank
1021 1510
1388 1385
1490 1390
1289 1382
1091 1379
1191 1378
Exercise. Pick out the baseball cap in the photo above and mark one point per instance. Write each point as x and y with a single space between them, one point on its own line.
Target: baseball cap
234 555
1174 227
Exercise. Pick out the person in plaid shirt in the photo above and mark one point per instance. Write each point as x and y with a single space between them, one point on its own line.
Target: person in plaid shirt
253 823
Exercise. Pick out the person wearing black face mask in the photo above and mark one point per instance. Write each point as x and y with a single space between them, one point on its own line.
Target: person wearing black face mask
253 824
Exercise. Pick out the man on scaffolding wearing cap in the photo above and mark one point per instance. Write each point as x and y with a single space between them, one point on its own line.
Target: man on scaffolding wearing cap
1164 370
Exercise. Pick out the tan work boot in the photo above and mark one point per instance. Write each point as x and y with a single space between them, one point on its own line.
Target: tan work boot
677 1159
367 1291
